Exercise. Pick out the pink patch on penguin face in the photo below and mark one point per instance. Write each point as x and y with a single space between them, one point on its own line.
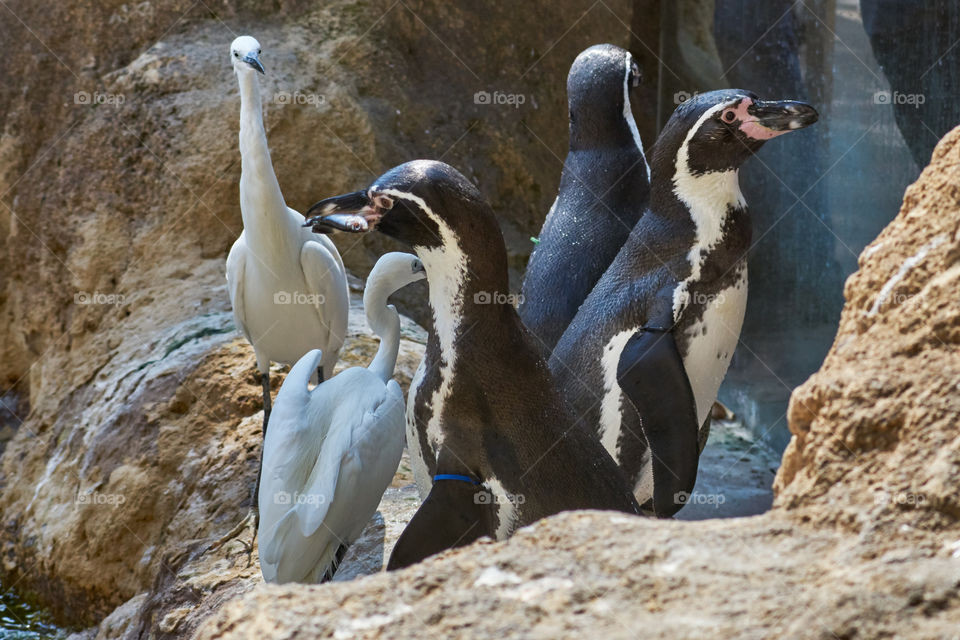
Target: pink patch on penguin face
749 123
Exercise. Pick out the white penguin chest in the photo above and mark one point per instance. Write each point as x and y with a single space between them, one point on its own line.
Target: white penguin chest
711 341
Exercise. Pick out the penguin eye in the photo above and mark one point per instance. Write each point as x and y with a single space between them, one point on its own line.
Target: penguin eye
634 74
383 202
729 116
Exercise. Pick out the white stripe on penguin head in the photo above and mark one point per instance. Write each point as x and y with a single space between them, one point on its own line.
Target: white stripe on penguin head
628 112
708 197
446 268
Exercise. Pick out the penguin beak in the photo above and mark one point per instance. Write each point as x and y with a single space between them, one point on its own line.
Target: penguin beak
781 116
253 59
351 212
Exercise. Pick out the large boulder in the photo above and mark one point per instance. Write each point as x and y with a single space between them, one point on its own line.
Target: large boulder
874 432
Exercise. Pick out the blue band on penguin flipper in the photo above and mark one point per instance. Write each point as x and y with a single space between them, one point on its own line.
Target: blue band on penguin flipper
455 476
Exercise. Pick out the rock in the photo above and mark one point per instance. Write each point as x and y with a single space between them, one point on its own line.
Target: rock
11 408
185 582
592 574
863 540
874 438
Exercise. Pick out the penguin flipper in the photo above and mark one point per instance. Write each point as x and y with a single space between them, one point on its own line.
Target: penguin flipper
454 514
652 376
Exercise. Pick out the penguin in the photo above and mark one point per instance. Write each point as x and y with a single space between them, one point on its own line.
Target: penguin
489 434
644 357
603 191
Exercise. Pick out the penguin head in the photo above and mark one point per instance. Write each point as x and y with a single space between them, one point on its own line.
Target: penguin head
424 204
719 130
598 91
245 55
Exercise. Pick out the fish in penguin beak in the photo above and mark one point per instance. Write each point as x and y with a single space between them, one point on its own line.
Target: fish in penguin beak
351 212
770 118
253 60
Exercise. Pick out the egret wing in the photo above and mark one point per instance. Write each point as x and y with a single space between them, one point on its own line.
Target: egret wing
236 266
325 277
355 470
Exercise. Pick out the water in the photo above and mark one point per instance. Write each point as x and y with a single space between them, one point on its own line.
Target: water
20 621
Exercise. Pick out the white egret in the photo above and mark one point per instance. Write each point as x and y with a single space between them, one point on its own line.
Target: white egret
332 452
287 286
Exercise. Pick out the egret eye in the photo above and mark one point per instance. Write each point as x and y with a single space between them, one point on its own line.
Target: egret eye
259 51
236 54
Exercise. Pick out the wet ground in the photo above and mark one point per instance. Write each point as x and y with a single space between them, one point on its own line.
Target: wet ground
735 477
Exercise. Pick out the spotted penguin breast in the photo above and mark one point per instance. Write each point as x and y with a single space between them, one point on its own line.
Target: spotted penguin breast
710 339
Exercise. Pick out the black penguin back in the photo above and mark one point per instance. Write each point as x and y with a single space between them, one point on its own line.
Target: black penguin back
603 191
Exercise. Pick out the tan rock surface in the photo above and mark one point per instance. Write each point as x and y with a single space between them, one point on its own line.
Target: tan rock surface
598 575
875 431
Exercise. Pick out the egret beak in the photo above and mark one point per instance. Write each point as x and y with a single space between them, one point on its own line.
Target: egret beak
351 212
253 60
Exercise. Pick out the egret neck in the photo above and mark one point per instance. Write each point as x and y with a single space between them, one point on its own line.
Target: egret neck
262 206
385 322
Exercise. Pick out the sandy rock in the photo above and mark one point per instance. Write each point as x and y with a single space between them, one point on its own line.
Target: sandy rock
874 437
186 582
591 574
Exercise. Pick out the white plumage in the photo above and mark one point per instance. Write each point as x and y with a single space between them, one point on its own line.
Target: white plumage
331 452
288 286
